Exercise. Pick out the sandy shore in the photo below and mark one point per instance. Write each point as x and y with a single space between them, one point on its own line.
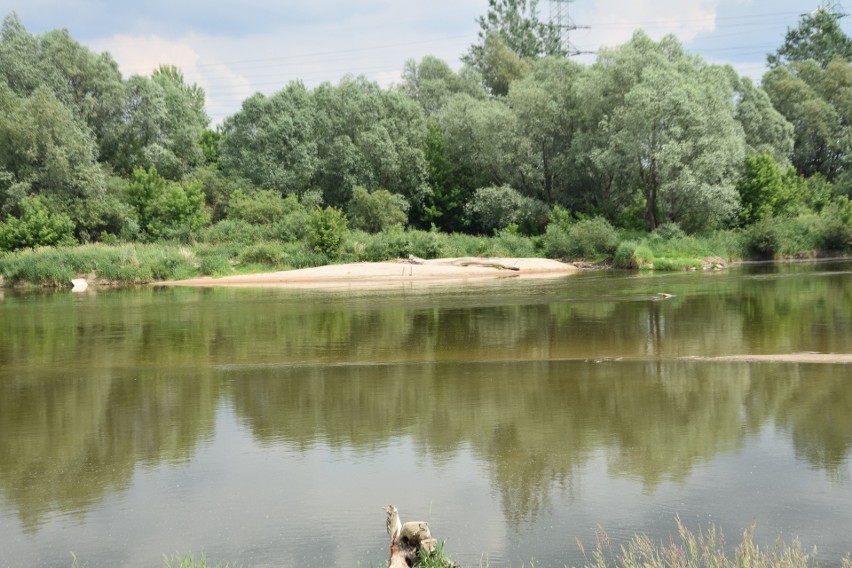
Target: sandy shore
784 358
393 273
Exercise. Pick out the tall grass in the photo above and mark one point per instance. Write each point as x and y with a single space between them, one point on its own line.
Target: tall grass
707 549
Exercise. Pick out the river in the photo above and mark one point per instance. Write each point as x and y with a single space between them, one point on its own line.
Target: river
268 427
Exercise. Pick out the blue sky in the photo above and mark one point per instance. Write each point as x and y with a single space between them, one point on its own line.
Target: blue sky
235 49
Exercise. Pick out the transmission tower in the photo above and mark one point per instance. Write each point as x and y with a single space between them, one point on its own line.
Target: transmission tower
560 18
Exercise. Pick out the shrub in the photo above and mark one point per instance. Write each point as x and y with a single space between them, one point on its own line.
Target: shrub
267 254
231 231
496 207
327 231
594 237
834 228
37 226
378 210
762 239
215 265
632 255
669 231
260 207
557 243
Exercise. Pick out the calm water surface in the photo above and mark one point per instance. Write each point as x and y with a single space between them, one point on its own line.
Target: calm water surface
268 427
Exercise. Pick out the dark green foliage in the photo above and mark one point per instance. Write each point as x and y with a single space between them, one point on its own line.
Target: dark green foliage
327 231
767 191
215 265
763 239
166 209
377 210
35 227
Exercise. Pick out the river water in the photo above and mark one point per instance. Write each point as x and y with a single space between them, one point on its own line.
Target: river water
268 427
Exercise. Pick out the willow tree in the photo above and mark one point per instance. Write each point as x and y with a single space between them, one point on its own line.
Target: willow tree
661 127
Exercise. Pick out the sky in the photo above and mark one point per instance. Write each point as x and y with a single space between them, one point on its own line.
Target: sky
235 49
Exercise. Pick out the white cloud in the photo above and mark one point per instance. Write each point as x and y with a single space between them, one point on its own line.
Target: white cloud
613 22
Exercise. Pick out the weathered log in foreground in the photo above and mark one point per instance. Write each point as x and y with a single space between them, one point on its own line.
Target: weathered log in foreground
409 543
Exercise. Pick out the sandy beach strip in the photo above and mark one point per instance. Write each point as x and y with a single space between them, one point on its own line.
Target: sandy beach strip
392 273
807 357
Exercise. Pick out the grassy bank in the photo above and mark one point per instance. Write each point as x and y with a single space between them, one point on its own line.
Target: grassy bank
668 248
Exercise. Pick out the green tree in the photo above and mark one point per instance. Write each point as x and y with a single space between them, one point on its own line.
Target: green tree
518 25
664 124
271 141
166 209
818 37
496 207
327 231
377 210
36 226
45 150
768 191
368 137
444 204
432 82
548 109
766 130
818 102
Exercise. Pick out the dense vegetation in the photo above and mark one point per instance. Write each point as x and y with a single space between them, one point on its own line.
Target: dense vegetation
648 145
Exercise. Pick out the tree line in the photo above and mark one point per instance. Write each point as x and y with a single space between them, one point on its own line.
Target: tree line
647 135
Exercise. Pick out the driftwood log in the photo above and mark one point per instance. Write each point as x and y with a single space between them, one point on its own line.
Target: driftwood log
405 549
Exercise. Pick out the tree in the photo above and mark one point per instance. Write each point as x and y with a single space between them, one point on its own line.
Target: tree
271 141
510 36
444 203
327 231
47 151
766 130
37 226
166 209
377 210
431 83
818 37
818 101
665 124
496 207
482 143
766 190
548 110
368 137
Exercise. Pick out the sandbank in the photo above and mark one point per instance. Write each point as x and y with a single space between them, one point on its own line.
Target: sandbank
390 274
807 357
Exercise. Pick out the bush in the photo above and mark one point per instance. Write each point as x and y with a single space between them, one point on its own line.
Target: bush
496 207
377 211
592 238
37 226
763 239
632 255
669 231
231 231
327 231
215 265
261 207
267 254
834 228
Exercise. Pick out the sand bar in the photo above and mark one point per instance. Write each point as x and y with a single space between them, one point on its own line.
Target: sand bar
392 273
807 357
